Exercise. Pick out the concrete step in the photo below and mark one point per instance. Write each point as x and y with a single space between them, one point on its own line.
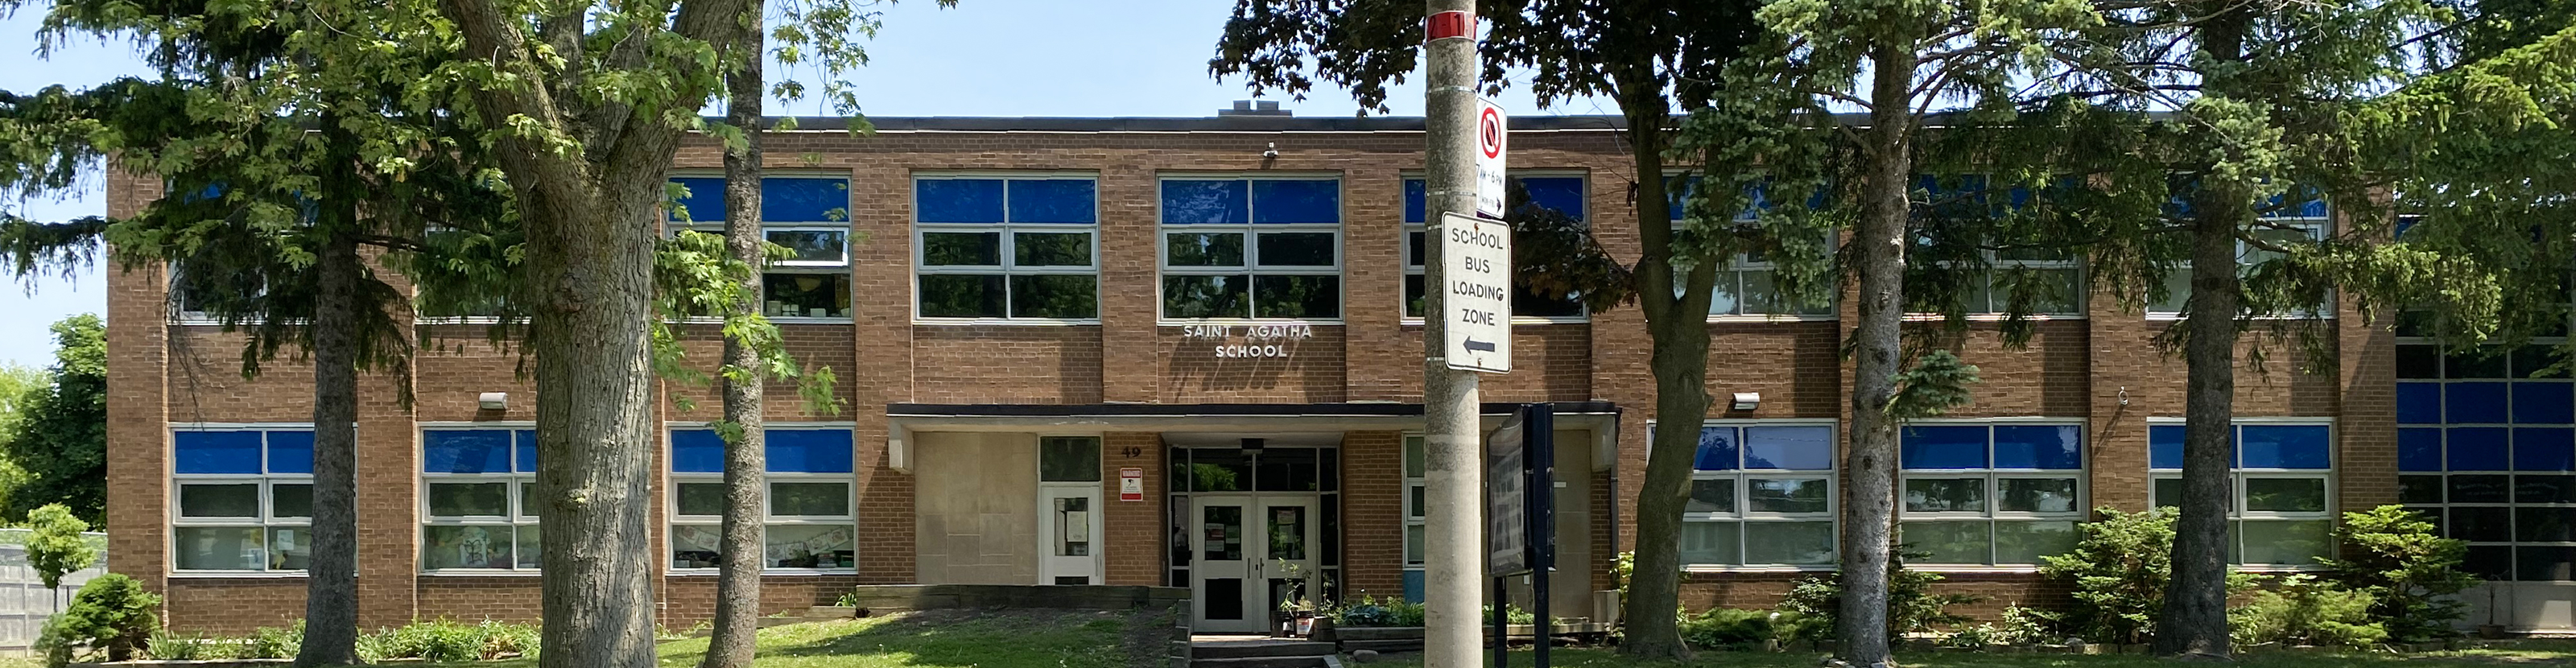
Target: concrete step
1263 662
1247 649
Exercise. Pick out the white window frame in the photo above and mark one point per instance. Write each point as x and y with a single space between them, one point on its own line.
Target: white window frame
1740 264
2236 477
1993 477
1743 513
522 514
1252 266
1423 228
2318 227
1415 484
267 482
671 497
841 269
1008 257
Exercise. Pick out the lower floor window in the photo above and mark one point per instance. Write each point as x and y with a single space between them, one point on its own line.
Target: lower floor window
1761 495
244 499
809 524
2279 505
807 295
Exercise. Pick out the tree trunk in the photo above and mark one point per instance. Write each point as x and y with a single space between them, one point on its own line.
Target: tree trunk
331 576
1677 324
746 464
1869 467
2194 619
591 264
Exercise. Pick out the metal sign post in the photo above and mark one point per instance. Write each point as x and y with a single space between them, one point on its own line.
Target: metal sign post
1520 521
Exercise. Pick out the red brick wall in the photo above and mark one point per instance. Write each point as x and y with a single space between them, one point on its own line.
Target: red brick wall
1014 365
469 598
1373 513
232 606
1133 532
1309 372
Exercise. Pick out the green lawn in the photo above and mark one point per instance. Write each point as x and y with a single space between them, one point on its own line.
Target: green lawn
937 639
2482 658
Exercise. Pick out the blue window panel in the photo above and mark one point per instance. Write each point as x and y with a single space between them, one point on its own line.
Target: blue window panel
804 200
1053 201
526 440
2311 207
1562 193
1717 451
1187 202
290 451
1414 194
1789 448
2544 449
1296 201
216 452
2164 446
1961 447
809 450
2419 403
957 200
705 201
696 451
2544 403
466 451
2419 449
2039 447
1413 585
2476 448
1678 191
2284 446
2470 403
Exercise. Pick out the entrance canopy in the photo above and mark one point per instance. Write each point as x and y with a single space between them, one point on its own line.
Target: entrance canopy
1600 418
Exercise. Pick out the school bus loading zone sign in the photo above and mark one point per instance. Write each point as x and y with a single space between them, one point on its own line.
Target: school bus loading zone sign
1477 278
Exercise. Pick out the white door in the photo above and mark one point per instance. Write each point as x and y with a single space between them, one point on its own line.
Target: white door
1069 534
1252 554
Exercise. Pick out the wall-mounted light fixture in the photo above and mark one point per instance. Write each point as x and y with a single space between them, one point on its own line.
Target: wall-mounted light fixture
1745 401
1251 446
493 401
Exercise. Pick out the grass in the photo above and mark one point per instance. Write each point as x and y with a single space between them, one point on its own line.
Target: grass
935 639
2534 657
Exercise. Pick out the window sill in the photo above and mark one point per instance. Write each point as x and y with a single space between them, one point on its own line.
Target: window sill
1993 317
774 319
483 573
2153 316
458 320
1757 319
766 572
1812 568
1007 322
1975 568
1185 322
1410 321
236 575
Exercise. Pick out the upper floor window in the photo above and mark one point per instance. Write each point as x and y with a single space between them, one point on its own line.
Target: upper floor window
812 522
810 215
1762 494
1747 283
2279 224
475 512
1559 195
1991 493
1957 218
1263 248
1019 247
2486 448
244 498
2280 486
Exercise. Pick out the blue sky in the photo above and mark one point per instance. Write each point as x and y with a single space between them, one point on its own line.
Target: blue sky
982 58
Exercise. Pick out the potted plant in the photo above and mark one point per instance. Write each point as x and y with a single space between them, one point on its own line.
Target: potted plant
1297 613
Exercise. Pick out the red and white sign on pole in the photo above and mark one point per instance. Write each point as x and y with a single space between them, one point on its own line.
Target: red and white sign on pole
1492 132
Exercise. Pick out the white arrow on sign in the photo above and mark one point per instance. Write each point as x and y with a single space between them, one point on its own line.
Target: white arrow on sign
1476 255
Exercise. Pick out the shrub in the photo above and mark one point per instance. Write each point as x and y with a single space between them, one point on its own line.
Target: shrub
444 641
2307 612
1911 605
2025 626
1407 613
2409 570
275 643
1725 628
1974 637
2119 569
112 616
1366 612
168 647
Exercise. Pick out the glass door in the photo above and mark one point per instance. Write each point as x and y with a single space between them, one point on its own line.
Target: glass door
1227 541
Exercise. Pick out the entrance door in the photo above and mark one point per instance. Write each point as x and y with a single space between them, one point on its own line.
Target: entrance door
1253 553
1067 531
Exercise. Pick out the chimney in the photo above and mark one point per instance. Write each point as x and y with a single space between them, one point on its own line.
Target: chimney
1254 108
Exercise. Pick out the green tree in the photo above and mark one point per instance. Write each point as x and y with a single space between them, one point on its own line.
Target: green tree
19 384
55 546
1650 56
60 436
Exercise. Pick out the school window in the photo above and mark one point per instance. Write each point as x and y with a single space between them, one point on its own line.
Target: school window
1413 518
2486 448
245 498
1747 284
1015 248
1252 248
810 215
810 519
1762 494
1990 494
476 514
2279 226
2280 505
2017 274
1539 195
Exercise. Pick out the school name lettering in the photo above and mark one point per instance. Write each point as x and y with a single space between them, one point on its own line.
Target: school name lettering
1250 341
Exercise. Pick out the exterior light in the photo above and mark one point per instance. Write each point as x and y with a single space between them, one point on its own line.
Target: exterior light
493 401
1745 401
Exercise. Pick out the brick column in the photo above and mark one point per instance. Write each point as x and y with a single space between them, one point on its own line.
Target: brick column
882 371
138 431
2366 431
2130 380
1373 514
1381 361
1130 198
388 479
1134 532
